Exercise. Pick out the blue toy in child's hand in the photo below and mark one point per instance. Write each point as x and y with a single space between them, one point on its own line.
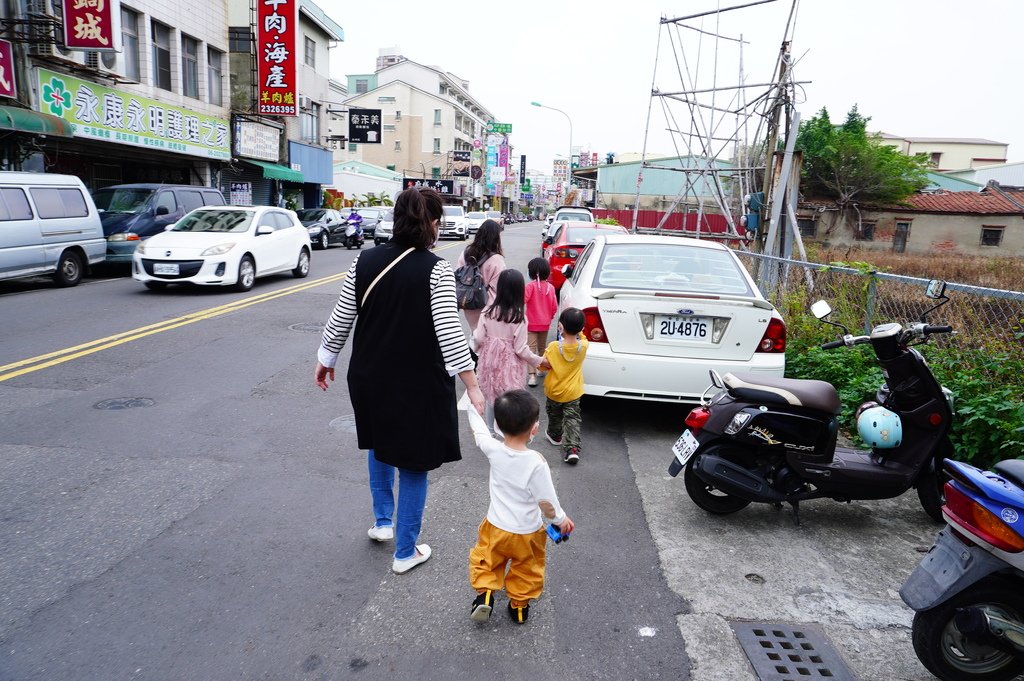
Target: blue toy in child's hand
556 534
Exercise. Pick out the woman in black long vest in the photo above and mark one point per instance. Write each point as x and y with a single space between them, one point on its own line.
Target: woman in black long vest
407 348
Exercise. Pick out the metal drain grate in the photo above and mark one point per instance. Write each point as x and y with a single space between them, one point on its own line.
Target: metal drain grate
124 403
307 327
790 652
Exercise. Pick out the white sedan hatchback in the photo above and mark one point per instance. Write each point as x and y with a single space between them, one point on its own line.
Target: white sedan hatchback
224 246
661 311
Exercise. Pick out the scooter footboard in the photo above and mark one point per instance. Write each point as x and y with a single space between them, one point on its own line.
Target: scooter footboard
950 567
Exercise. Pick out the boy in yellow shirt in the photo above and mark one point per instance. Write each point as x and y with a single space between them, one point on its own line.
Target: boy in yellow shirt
563 385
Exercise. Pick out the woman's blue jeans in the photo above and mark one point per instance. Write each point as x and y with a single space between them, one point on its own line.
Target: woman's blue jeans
412 497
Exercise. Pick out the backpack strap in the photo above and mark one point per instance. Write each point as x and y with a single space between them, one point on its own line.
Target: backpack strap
383 272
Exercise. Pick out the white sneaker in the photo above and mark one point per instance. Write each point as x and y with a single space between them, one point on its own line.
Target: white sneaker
381 532
403 565
532 381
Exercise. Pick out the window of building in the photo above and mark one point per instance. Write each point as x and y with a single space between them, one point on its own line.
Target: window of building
311 124
398 115
435 173
391 167
443 89
808 227
161 56
991 236
362 85
437 117
352 146
240 39
398 145
935 157
215 75
389 127
190 67
437 145
310 51
130 43
385 99
866 232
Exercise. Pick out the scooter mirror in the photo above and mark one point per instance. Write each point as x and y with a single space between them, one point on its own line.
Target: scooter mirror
936 289
821 309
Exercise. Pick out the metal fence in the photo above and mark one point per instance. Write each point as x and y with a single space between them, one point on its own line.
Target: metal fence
984 318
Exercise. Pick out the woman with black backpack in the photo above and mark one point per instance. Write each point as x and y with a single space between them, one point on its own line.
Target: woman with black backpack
485 252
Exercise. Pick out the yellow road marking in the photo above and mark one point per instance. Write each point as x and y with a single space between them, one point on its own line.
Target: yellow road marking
39 362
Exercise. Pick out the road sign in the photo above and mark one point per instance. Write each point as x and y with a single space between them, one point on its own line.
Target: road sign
500 128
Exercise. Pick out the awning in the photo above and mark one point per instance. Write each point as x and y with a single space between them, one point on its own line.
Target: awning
273 171
26 120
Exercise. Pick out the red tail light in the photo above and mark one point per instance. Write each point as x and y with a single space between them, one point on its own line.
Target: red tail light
979 521
570 252
774 339
593 327
696 419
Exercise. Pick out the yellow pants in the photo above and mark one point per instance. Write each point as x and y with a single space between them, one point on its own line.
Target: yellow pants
494 549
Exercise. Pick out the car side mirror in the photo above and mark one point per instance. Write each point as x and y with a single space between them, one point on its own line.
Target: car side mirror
549 240
264 229
567 271
169 227
163 210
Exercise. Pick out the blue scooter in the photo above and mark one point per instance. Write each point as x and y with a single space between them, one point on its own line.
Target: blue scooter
968 592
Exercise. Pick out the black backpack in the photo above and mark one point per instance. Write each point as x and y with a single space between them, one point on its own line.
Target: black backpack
470 290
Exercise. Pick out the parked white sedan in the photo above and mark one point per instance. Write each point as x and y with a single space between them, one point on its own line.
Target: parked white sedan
661 311
224 246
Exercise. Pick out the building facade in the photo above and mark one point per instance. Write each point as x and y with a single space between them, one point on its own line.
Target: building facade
950 153
156 110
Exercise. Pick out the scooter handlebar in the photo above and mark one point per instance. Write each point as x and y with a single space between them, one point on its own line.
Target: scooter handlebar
938 329
833 345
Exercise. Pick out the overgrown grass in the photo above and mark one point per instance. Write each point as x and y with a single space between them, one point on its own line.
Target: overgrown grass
983 364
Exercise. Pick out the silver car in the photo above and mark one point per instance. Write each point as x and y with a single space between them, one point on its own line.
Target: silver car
385 228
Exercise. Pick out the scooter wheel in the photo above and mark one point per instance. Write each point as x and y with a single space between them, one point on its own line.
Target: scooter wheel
708 497
949 654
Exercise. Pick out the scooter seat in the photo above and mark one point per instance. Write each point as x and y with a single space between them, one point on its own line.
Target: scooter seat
1012 470
794 392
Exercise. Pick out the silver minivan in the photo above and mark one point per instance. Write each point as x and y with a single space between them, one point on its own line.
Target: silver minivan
48 225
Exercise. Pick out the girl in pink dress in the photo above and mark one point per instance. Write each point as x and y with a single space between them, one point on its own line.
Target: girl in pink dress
541 306
500 339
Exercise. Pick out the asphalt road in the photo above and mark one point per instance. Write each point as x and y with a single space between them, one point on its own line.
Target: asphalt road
214 527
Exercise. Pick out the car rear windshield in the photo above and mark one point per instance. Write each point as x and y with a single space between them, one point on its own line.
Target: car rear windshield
670 267
477 215
575 217
215 221
584 235
453 211
311 214
121 200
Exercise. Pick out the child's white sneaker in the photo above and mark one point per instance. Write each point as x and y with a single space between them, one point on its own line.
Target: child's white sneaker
381 532
403 565
532 381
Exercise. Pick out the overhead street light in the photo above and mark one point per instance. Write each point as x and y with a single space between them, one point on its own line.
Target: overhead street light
568 178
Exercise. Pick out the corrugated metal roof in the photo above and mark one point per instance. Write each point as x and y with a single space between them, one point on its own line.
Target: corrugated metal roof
977 203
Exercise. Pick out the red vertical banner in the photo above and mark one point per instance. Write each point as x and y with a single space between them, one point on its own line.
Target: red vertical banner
92 25
277 70
8 88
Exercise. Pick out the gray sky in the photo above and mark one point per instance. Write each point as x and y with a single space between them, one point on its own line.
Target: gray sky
918 68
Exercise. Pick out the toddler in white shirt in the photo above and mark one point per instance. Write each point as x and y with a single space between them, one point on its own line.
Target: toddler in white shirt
522 495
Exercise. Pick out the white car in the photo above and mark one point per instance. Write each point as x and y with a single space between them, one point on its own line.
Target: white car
224 246
385 229
474 219
454 223
661 311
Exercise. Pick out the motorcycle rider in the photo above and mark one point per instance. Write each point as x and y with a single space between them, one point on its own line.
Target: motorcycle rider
356 219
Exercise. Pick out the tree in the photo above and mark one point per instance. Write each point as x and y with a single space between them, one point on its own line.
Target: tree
843 163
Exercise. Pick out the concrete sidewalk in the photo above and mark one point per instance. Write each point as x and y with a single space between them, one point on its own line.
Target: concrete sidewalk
840 570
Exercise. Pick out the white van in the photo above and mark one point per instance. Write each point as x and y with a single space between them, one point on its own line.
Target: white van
48 225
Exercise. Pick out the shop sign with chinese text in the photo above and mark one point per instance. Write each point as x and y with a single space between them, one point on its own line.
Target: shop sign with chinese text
8 88
255 140
277 70
443 187
103 113
500 128
364 126
93 25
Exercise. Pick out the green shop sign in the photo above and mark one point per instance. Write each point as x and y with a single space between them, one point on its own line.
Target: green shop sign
499 128
102 113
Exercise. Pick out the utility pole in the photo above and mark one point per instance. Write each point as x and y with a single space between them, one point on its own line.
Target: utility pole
778 104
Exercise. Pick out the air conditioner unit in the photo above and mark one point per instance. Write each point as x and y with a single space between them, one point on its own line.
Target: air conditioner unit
305 102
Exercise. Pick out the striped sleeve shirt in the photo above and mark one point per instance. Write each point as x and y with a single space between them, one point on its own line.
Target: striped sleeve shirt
443 309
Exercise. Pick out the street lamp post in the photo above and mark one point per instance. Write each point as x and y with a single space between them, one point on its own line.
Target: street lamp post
568 178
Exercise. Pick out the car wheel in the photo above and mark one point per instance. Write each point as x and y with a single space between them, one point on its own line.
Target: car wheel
155 285
302 268
323 242
246 274
69 269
